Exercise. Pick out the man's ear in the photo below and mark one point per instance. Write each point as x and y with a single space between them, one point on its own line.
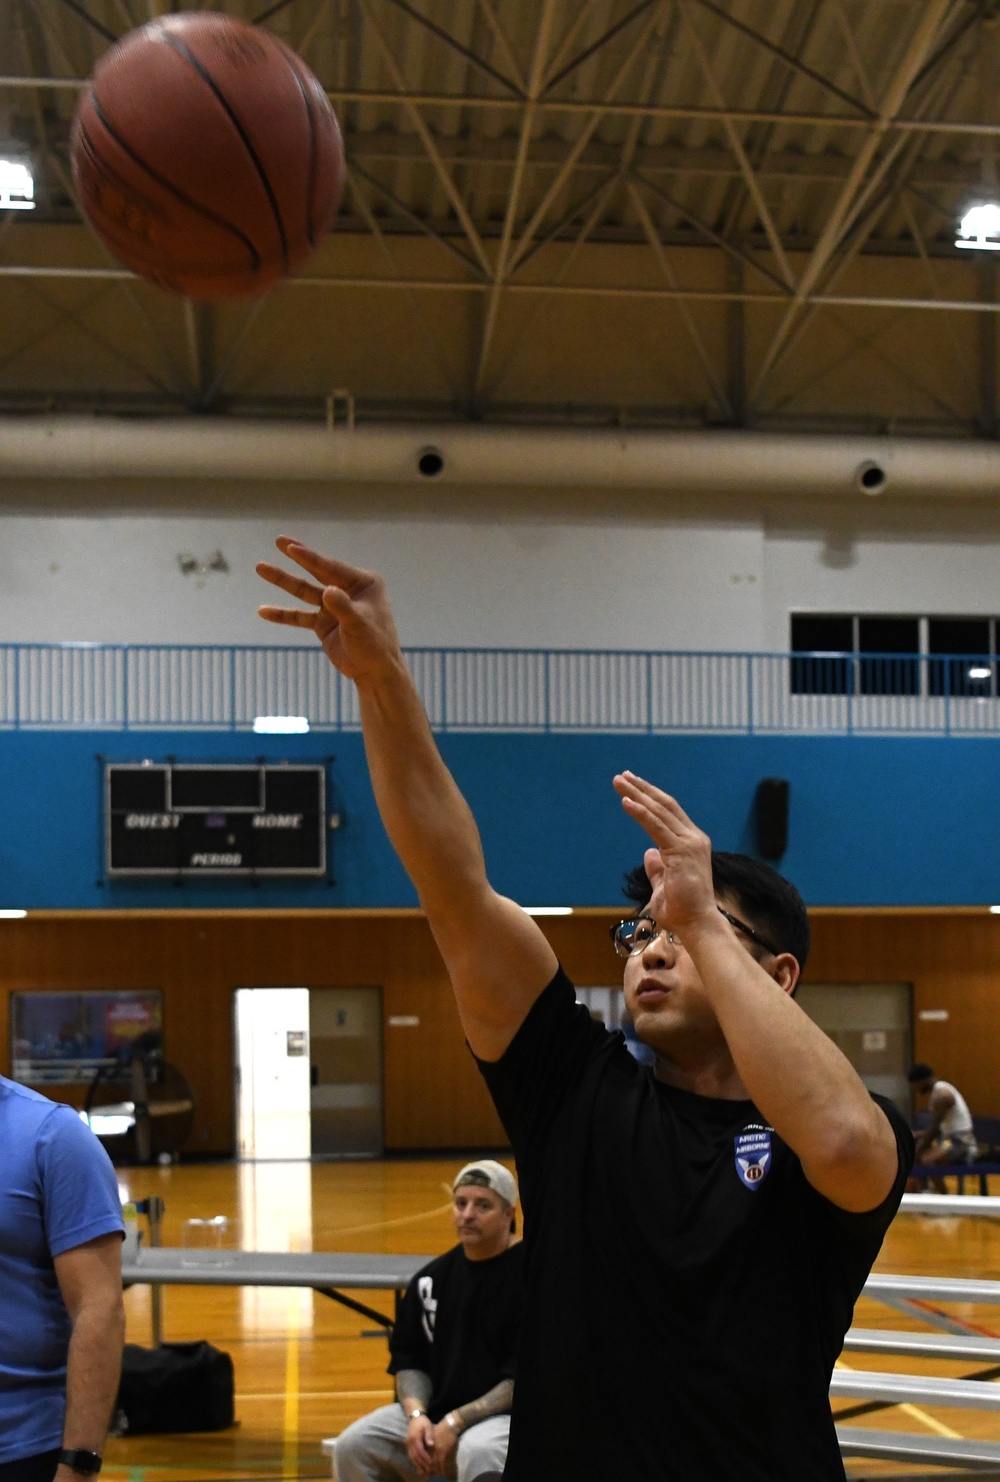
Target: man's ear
785 971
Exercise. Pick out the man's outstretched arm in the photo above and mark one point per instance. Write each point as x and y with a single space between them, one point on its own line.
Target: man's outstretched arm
496 956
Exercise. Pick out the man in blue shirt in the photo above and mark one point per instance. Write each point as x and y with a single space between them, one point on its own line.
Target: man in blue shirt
62 1322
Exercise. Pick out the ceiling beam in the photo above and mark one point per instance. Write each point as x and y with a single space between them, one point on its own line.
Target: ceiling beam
931 20
573 290
793 62
536 82
793 118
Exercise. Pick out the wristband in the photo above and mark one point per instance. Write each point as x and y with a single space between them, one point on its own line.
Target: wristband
451 1420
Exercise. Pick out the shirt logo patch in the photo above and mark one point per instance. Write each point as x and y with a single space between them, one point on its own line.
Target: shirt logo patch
428 1301
753 1154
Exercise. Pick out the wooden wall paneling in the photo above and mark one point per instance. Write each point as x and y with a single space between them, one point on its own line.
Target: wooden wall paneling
434 1096
953 961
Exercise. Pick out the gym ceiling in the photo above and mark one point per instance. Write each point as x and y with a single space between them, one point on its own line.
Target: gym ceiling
653 213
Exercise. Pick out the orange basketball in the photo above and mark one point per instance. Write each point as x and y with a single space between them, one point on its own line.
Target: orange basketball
206 156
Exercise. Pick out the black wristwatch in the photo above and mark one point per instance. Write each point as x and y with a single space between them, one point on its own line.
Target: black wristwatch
87 1462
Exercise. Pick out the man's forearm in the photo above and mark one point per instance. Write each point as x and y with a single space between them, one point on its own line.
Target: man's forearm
496 1401
793 1072
413 1389
428 821
92 1374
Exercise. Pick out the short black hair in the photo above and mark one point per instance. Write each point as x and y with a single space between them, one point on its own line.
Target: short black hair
770 903
919 1073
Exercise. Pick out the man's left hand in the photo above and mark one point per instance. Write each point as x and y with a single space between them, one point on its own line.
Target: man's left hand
680 867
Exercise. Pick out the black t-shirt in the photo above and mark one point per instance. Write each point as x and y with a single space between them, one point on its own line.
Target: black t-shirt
688 1290
460 1322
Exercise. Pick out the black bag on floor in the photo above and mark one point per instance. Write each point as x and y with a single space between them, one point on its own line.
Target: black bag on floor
176 1387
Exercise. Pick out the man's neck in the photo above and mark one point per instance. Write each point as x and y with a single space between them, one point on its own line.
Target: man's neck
712 1075
486 1253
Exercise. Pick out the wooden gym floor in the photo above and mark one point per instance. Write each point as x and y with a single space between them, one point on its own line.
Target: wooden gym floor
305 1366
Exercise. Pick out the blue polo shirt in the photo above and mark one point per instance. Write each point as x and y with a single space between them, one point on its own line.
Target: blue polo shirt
57 1191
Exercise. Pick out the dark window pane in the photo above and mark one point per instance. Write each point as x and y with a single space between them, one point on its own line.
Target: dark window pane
958 635
889 635
885 638
819 633
821 640
972 675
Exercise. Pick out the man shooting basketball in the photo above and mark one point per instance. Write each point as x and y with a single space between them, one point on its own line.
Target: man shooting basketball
696 1235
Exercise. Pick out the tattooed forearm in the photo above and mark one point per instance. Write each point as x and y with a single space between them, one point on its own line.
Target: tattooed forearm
413 1384
496 1401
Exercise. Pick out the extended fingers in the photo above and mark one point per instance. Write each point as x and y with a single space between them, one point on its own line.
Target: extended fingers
323 568
295 586
627 784
294 617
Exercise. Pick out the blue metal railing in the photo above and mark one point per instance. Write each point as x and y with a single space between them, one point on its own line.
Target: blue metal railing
207 687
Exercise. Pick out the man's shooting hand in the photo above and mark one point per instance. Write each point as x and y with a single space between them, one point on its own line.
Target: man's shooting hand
680 867
348 609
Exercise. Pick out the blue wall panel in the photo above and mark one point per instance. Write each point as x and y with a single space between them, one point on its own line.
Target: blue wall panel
873 821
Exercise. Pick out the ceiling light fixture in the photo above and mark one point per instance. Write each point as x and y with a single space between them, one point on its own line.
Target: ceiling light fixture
17 186
13 915
549 910
979 671
980 227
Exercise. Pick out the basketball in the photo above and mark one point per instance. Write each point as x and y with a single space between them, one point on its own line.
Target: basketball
206 156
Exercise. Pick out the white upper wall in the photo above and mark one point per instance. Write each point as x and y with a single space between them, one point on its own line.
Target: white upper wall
921 560
500 583
484 569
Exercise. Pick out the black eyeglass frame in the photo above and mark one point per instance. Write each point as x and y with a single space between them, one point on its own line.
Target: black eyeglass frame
734 921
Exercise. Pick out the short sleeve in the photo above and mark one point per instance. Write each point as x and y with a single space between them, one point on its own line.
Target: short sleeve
80 1198
544 1062
873 1223
408 1345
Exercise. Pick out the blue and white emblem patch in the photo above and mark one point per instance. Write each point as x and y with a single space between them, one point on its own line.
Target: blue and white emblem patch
753 1154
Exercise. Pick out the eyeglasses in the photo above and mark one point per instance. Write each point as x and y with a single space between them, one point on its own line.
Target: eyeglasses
632 936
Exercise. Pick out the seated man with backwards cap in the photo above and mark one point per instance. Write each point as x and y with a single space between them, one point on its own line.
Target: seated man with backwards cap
452 1351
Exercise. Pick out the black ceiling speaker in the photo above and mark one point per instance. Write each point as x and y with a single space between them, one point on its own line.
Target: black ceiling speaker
771 807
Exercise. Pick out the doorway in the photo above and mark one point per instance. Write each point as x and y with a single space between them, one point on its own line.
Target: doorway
272 1072
345 1035
872 1023
308 1073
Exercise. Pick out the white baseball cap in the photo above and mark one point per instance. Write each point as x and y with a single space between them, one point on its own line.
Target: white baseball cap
488 1174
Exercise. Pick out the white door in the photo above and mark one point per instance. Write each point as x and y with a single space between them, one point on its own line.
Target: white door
272 1072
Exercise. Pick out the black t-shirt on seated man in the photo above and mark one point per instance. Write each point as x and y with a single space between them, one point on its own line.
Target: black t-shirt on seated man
688 1290
460 1322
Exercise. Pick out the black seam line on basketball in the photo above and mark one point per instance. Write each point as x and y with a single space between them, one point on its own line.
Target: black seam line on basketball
209 81
256 261
311 180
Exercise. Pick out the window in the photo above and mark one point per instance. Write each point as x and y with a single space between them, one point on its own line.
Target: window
884 638
882 654
969 669
826 644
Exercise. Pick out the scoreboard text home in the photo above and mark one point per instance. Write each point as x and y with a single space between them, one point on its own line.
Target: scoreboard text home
162 819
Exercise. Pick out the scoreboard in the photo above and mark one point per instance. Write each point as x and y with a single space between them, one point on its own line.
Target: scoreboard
191 820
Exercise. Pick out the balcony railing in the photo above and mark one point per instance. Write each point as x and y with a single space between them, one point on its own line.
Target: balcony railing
202 687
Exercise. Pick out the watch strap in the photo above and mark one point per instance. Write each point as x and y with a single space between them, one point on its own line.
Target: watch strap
88 1463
